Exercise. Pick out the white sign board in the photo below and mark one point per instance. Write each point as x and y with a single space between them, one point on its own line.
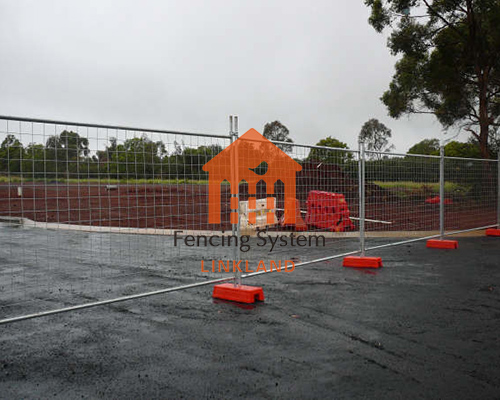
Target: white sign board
262 208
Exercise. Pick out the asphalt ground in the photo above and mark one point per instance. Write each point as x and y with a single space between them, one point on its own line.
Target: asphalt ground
426 325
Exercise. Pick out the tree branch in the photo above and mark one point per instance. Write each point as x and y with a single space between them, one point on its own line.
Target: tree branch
423 112
493 93
447 23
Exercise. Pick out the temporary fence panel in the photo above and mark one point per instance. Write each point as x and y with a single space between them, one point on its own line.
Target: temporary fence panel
89 212
428 196
402 197
471 187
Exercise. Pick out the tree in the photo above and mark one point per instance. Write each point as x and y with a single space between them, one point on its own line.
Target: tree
493 144
190 162
65 151
427 147
138 157
69 145
460 149
450 62
34 160
452 149
11 155
376 136
278 132
330 156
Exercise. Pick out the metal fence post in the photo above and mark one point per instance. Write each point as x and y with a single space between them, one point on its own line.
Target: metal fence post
441 192
361 174
498 191
235 228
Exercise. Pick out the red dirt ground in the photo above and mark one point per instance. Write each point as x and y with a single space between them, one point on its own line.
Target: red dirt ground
185 206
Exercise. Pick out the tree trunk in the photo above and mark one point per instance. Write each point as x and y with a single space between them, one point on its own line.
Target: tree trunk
482 73
484 119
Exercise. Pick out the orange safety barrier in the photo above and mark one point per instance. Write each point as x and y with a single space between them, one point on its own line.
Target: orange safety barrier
300 225
328 211
240 294
437 200
492 232
442 244
362 262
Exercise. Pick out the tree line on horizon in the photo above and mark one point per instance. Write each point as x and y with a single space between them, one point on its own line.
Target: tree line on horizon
68 156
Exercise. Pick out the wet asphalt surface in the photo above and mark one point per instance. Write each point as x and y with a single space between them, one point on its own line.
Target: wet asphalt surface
425 326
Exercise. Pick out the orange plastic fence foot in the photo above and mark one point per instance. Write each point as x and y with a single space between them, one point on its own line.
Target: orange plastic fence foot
240 294
442 244
492 232
362 262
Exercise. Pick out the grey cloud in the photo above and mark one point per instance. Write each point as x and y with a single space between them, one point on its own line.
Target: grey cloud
319 68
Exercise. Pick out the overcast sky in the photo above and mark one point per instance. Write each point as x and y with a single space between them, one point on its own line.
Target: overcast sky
317 67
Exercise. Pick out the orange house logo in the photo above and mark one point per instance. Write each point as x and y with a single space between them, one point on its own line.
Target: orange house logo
236 163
